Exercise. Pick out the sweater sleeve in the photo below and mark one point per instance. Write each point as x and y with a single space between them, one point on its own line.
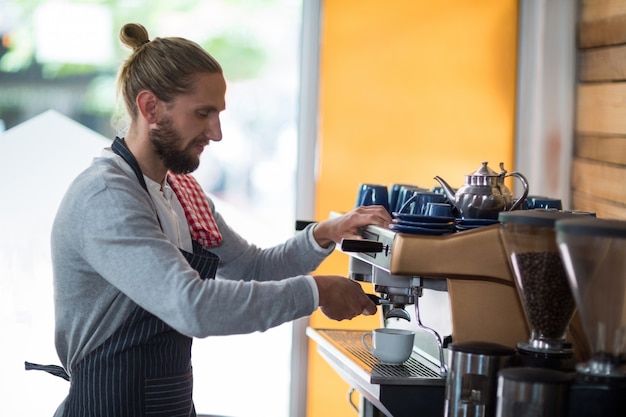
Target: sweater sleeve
110 253
241 260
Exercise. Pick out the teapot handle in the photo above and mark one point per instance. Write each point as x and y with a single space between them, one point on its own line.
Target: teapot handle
524 182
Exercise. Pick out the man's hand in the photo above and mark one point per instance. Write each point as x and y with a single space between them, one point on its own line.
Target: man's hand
341 298
347 226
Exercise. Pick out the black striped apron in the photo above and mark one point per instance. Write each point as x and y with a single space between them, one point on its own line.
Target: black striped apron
144 368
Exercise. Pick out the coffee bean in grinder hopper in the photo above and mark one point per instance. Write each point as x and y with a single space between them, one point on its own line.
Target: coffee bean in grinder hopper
529 238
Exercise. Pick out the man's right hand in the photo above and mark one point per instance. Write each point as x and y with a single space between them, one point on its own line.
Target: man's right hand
342 299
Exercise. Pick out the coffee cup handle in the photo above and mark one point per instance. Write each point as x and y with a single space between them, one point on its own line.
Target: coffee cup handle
367 345
368 198
407 203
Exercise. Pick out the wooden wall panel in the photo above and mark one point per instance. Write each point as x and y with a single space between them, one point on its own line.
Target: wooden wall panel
599 165
601 108
602 64
596 10
608 209
611 149
601 180
602 22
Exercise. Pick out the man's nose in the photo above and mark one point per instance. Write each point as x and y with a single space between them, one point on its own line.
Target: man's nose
213 129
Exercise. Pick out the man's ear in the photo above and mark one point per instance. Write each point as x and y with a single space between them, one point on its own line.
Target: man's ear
147 106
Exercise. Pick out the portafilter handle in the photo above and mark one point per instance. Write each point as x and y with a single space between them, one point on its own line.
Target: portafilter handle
377 300
396 311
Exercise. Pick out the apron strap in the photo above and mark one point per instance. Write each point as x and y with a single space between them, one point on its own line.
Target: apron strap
51 369
120 148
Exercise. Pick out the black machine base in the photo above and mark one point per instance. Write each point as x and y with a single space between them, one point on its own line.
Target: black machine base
558 361
597 397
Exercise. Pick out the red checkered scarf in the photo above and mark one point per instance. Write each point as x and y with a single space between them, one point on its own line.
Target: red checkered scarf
197 211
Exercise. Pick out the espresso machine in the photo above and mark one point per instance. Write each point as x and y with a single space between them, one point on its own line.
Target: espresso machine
469 274
529 239
594 254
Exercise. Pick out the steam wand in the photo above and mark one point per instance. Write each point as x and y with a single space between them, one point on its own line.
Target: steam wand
443 368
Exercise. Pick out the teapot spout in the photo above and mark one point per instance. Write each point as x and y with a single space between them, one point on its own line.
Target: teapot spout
447 189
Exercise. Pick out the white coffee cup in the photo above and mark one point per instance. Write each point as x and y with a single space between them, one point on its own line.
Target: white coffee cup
390 346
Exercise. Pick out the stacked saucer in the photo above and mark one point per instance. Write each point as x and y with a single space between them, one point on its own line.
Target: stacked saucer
469 224
422 225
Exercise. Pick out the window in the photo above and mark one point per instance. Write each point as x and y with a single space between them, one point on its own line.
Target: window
251 173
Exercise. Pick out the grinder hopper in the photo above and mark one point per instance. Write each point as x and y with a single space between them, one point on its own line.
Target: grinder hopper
529 238
594 254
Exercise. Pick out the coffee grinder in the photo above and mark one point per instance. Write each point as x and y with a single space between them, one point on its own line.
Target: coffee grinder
529 239
594 254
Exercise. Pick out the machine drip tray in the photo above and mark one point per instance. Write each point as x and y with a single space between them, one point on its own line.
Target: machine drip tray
412 372
413 389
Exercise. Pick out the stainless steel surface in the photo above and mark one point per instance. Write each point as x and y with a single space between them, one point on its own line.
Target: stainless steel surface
472 382
395 390
484 193
398 312
443 368
349 347
533 392
373 267
398 290
359 270
395 310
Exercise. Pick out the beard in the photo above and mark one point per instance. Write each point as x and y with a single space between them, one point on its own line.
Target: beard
166 141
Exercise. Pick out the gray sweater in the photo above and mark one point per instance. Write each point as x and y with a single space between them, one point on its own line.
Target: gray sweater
109 255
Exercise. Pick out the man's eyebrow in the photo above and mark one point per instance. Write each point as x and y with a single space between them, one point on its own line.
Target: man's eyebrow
210 107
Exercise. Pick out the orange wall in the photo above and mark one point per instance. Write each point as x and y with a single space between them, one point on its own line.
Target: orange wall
409 89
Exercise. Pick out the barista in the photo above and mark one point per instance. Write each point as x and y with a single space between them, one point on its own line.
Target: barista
136 245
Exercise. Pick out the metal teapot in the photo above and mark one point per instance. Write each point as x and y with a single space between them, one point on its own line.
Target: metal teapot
484 194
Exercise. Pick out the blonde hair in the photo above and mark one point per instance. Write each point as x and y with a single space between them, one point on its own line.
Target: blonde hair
164 66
